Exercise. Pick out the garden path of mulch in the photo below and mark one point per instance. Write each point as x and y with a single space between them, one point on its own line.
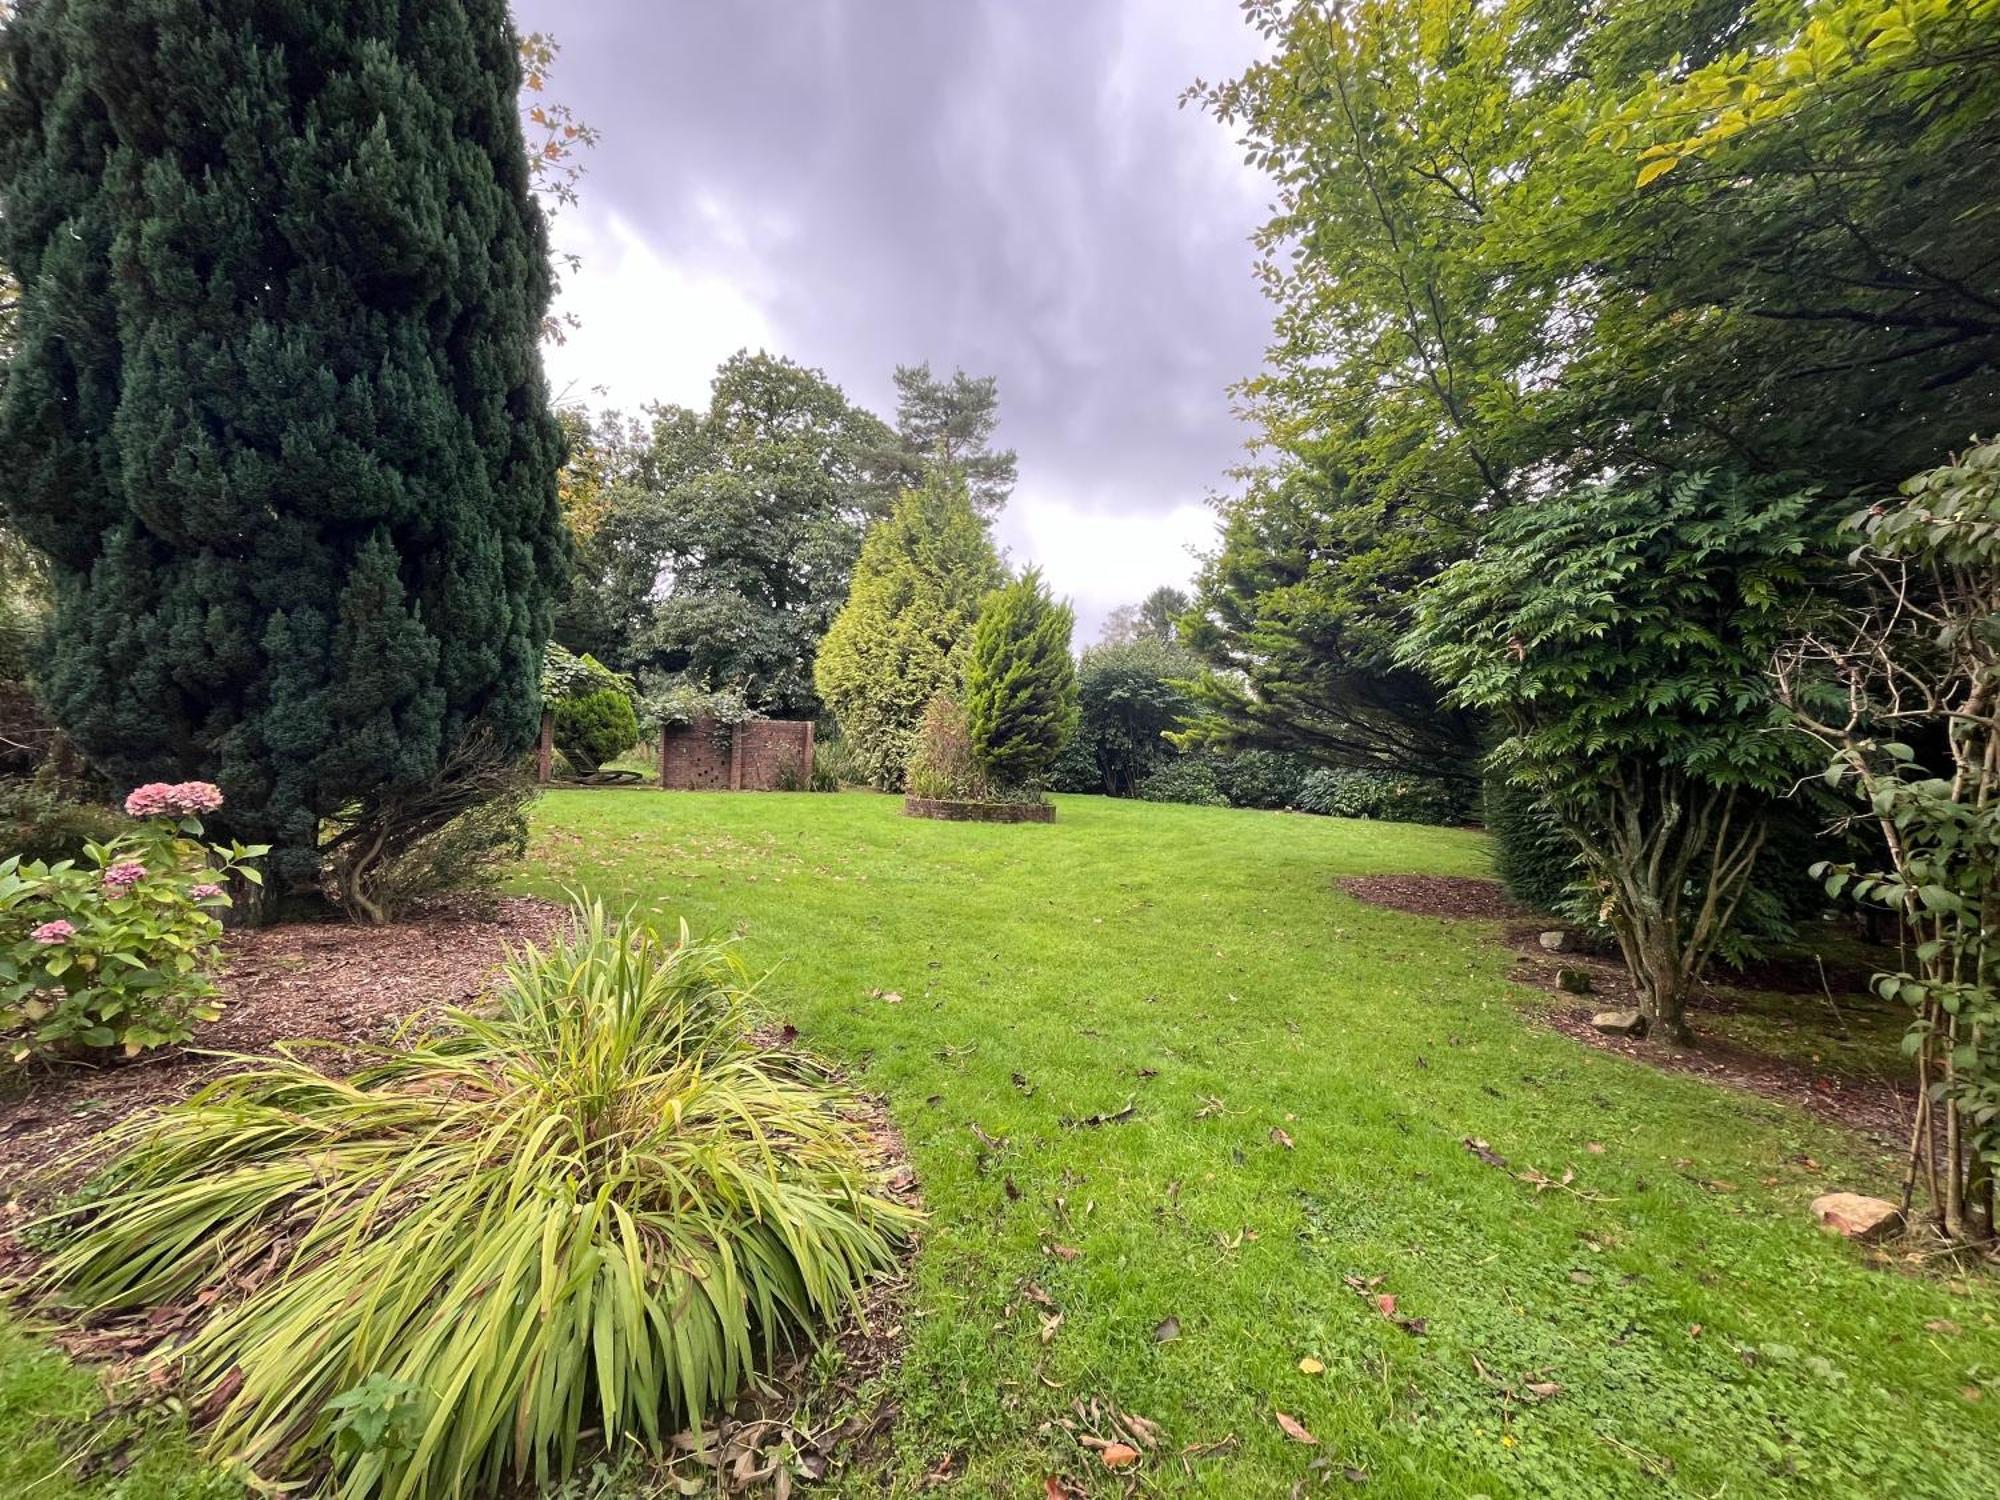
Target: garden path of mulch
355 986
1875 1105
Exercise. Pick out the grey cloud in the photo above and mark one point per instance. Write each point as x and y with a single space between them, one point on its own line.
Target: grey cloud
1006 185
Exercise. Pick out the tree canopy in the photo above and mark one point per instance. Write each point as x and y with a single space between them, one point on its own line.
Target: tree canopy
276 415
901 637
946 426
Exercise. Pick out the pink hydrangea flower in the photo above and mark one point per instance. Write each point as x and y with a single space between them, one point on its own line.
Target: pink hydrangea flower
206 891
124 875
52 933
181 799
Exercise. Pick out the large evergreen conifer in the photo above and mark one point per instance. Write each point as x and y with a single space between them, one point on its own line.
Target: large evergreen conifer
901 637
276 413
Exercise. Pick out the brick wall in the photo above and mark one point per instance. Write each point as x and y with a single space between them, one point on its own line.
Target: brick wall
751 757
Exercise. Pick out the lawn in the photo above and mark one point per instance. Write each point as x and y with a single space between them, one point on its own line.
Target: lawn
1286 1080
1303 1072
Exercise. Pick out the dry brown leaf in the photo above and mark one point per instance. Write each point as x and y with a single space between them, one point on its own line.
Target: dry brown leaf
1282 1139
1119 1456
1293 1429
1311 1366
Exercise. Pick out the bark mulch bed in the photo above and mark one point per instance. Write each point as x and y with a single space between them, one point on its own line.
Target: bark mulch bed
1458 896
1877 1106
333 981
353 986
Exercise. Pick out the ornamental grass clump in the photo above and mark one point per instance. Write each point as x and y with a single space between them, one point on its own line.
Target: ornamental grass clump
589 1212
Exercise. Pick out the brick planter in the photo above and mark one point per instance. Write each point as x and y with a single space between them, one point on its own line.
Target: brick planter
979 812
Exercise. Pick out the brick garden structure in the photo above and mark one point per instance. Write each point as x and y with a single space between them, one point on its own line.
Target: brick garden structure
758 755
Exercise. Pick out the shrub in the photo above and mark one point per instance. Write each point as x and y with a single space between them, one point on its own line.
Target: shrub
115 951
466 855
901 637
834 762
1130 695
596 727
1535 860
38 822
593 1209
943 765
1260 778
1188 778
1020 683
1385 796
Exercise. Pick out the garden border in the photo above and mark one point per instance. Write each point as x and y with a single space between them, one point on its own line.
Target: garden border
949 811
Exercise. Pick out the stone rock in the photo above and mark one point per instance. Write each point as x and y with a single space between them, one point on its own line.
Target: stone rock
1620 1022
1857 1216
1556 942
1574 981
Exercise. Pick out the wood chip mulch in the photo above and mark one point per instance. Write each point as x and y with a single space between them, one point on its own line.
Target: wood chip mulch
331 981
1458 896
1878 1106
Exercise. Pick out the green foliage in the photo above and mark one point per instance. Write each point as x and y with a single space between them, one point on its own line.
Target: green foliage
834 763
1156 617
276 415
1623 638
1535 860
39 822
1130 696
1263 779
1020 683
1185 778
592 1210
1487 286
902 636
728 535
467 855
597 727
1910 680
114 952
944 762
944 430
1385 796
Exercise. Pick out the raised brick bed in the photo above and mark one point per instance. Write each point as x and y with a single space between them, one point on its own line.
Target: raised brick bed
980 812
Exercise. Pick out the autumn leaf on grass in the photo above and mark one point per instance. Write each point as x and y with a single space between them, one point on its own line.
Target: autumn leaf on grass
1293 1429
1166 1330
1311 1366
1282 1138
1119 1456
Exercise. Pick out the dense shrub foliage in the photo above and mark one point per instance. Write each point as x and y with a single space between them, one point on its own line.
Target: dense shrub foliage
276 412
1623 637
902 636
591 1212
1185 778
944 764
1264 779
1535 860
1020 684
1130 695
117 951
40 820
1385 796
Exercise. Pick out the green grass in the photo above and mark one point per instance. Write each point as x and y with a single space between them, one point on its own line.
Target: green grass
58 1439
1171 957
1201 964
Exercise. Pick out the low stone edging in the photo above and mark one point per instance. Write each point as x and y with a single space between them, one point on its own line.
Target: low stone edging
979 812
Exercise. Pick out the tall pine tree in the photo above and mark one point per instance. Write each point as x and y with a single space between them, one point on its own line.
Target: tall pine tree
276 413
1020 683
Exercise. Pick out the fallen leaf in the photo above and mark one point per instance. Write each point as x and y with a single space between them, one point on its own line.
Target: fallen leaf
1117 1117
1542 1390
1056 1487
1049 1326
1311 1366
1485 1152
1942 1325
1694 1330
1282 1139
1063 1252
1119 1456
1037 1296
1353 1475
1166 1330
1293 1430
1595 1148
1386 1304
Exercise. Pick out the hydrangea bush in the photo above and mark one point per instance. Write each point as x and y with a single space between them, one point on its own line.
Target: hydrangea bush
115 950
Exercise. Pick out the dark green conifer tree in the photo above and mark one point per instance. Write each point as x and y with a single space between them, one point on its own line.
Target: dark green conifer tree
276 413
1020 683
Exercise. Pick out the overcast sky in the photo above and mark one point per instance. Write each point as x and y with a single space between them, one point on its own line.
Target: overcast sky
1003 185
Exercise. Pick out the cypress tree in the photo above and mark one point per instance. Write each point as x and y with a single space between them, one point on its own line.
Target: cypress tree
901 637
1020 683
276 414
